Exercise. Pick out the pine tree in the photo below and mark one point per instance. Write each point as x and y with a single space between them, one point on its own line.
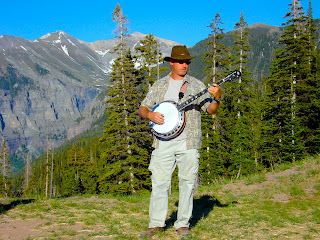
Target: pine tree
75 171
311 113
291 89
238 115
216 60
35 179
316 127
47 170
27 172
51 172
124 159
6 176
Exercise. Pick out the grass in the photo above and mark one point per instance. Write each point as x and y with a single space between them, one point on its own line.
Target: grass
283 204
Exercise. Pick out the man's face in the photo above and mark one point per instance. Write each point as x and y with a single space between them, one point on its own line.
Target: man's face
179 67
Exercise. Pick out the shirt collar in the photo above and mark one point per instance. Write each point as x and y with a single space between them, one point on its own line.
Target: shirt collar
185 79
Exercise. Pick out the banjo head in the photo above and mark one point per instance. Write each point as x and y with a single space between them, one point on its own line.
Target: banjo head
173 120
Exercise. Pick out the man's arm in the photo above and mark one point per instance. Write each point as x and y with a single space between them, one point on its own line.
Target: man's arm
213 108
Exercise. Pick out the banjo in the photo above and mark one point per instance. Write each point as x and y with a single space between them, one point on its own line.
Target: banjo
174 116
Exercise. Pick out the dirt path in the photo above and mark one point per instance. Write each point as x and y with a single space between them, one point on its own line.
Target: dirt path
20 229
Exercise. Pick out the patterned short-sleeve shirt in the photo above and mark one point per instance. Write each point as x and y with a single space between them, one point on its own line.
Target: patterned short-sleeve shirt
193 115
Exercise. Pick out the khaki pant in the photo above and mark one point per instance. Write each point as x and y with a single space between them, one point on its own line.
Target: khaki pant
163 162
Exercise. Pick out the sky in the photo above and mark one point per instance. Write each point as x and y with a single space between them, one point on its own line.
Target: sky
184 22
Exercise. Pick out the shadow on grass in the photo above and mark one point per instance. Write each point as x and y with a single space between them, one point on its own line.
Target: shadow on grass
201 209
4 207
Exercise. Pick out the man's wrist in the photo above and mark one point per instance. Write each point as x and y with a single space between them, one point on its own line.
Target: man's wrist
148 115
215 100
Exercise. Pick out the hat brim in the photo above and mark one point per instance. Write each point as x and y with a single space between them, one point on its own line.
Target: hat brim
179 58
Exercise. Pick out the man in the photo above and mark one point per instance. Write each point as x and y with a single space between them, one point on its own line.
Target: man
181 150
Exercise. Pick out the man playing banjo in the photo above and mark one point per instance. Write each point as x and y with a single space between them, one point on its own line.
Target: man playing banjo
182 148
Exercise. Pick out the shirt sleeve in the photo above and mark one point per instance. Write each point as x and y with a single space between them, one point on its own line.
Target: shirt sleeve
150 100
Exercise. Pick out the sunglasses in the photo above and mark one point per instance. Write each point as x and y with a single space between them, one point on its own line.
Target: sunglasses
182 62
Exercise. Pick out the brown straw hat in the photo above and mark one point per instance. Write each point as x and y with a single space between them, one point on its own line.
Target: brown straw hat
179 53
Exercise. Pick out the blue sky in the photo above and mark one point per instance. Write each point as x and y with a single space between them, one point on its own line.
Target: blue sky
181 21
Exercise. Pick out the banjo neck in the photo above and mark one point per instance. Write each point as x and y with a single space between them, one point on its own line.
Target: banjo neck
190 100
229 78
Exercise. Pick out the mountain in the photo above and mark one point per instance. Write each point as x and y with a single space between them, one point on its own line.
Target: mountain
44 86
53 88
263 39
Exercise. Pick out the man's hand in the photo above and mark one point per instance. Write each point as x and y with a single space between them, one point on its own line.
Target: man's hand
155 117
214 90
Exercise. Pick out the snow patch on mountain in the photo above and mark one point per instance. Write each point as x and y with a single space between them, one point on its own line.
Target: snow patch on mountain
65 49
103 52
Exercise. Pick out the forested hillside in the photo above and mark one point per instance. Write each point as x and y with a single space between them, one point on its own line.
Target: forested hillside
269 116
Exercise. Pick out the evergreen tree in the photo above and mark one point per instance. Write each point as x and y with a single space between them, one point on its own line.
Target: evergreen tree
35 181
237 113
290 104
47 170
316 127
124 159
27 172
311 96
216 60
75 171
6 176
